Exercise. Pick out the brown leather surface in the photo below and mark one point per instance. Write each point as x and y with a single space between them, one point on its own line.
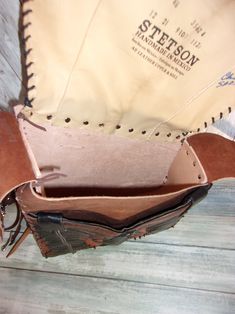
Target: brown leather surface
89 218
67 236
113 210
216 154
116 207
15 166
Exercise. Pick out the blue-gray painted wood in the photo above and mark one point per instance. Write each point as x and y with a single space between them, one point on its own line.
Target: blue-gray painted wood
40 293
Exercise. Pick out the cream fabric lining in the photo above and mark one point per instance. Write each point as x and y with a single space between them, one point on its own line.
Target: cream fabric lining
150 67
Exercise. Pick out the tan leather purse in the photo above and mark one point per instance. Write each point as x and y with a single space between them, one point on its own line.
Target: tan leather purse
111 142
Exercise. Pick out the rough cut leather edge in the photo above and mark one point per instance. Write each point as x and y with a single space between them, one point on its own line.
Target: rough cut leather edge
186 168
15 165
57 235
114 209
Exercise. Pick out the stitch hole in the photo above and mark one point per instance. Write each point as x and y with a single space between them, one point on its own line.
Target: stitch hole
184 133
229 109
213 120
85 122
143 132
168 135
131 130
49 117
156 134
205 124
178 137
194 164
187 153
198 130
67 120
101 125
118 127
199 177
221 115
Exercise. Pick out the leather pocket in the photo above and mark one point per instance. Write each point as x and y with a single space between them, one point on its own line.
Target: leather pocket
57 235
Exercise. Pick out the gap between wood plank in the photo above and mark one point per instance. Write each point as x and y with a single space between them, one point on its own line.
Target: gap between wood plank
200 269
184 245
117 279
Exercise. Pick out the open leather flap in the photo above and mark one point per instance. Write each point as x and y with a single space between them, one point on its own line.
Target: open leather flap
144 69
115 85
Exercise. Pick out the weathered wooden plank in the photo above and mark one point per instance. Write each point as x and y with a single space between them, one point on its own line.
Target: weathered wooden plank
9 26
203 231
219 202
10 85
225 127
36 292
191 267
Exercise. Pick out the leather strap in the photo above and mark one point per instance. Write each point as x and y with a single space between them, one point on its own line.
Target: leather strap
216 154
15 165
203 158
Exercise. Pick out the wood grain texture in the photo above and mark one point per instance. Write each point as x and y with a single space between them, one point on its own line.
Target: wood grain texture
191 267
225 127
10 64
10 85
39 292
9 28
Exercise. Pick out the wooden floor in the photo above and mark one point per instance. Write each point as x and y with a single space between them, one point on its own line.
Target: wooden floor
188 269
